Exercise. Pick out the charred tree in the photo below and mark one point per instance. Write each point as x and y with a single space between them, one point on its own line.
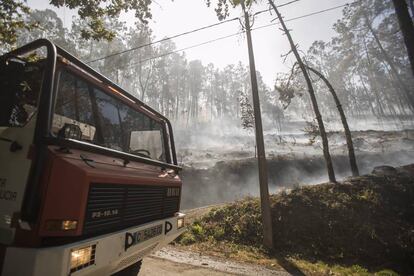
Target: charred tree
311 91
348 136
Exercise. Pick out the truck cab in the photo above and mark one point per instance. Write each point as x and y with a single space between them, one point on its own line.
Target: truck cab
89 181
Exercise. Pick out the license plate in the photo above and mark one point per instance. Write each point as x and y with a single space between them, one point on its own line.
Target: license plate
134 238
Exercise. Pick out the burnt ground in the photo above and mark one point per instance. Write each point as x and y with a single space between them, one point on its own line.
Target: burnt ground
214 175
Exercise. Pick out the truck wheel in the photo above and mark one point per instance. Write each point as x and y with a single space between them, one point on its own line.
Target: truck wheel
131 270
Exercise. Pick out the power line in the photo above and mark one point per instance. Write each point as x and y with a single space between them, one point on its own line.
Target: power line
281 5
321 11
236 34
162 40
181 34
183 49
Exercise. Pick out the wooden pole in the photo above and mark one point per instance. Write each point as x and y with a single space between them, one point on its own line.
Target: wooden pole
261 155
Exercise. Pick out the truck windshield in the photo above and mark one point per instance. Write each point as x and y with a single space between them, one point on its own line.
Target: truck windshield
105 120
20 84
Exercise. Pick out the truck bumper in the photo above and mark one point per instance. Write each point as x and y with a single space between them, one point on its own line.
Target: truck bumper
102 255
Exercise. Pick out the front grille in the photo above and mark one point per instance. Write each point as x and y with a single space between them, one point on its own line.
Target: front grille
117 206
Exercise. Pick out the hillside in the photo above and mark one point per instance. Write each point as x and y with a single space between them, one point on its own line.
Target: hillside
366 221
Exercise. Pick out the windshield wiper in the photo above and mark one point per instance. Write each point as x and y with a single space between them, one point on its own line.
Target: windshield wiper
87 160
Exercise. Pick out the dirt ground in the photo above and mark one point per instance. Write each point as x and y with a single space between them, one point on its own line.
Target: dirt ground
171 261
155 266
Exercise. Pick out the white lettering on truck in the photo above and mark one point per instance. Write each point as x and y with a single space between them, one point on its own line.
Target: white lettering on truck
8 195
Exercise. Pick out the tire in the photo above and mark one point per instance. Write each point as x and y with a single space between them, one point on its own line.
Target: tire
131 270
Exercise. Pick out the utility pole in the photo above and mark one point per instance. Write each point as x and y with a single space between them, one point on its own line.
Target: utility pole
261 155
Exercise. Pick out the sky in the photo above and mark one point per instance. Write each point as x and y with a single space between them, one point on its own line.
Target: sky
174 17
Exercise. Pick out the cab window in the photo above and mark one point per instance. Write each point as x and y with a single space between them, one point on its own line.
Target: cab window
104 120
20 83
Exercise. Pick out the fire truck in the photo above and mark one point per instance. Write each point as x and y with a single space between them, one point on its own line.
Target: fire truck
89 180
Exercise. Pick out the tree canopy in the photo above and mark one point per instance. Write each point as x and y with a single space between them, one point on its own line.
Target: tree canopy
222 7
13 16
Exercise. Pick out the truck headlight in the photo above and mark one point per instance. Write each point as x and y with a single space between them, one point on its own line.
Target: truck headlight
69 224
81 258
180 223
59 225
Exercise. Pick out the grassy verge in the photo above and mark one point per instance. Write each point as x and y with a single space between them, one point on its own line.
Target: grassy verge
362 226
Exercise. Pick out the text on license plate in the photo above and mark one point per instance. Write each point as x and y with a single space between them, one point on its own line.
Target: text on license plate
134 238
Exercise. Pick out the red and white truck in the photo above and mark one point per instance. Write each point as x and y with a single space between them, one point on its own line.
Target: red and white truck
89 181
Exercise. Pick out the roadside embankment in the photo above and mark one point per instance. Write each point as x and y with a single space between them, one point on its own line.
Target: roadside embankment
366 221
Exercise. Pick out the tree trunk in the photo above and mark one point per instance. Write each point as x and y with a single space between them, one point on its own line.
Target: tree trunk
371 80
366 93
390 63
351 151
311 91
407 28
177 97
211 102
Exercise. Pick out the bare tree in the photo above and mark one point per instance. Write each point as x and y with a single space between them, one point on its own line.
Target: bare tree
348 136
311 91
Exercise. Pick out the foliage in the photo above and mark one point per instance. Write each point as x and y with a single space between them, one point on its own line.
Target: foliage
222 8
312 131
93 13
321 268
12 18
247 114
287 88
365 61
239 222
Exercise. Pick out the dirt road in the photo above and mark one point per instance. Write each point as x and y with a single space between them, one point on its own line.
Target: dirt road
156 266
171 261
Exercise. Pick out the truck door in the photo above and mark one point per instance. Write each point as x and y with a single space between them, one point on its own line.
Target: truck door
20 84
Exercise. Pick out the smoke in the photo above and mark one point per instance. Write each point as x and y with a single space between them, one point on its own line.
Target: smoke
219 163
232 180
